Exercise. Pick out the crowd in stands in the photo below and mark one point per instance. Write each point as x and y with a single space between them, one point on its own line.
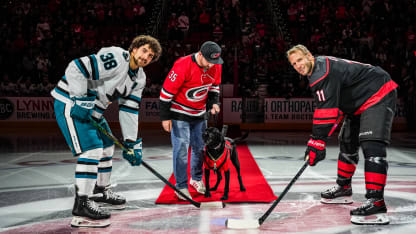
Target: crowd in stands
378 32
39 38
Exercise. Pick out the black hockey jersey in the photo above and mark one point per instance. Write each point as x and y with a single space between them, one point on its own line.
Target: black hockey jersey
341 86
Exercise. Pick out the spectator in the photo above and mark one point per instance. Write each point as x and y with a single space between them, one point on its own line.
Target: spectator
183 25
7 88
26 88
204 21
43 28
45 87
173 27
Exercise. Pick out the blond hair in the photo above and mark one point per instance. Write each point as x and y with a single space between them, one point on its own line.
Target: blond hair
298 47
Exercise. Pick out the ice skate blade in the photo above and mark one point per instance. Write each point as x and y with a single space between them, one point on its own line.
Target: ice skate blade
338 200
78 221
375 219
111 207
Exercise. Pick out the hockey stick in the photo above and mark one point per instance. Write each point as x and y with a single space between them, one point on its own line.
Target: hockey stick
118 143
251 224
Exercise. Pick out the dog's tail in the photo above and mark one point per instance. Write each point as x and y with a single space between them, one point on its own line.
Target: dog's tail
224 130
242 137
235 140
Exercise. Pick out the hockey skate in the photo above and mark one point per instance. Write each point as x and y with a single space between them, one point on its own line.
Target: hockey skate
87 213
337 195
109 199
372 212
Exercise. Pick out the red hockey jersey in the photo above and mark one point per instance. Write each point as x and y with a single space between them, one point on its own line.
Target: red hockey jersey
187 89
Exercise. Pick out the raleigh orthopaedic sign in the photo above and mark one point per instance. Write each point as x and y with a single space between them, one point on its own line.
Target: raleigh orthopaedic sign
234 110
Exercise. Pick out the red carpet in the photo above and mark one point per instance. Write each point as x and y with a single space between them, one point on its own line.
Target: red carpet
258 190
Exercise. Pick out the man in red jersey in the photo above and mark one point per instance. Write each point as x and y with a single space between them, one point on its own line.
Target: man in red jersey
190 90
366 96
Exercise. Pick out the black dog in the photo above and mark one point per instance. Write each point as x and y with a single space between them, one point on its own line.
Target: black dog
219 151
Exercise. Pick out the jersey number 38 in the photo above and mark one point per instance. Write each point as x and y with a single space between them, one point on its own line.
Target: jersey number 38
108 60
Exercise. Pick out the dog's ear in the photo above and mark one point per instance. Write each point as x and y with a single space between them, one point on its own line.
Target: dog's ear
207 135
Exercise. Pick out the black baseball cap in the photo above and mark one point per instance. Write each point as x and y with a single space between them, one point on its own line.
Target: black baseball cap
212 52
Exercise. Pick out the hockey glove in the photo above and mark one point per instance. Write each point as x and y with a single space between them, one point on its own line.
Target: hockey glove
134 154
315 150
82 108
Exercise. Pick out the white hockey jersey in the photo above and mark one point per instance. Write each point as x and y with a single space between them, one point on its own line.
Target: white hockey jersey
106 75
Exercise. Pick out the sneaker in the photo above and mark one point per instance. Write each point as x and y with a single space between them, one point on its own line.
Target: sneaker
337 195
198 185
109 199
184 191
372 212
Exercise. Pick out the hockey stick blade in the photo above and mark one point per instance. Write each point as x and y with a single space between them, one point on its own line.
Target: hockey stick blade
206 205
251 224
242 223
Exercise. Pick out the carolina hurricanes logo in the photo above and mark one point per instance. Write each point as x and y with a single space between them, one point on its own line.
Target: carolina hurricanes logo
197 94
215 55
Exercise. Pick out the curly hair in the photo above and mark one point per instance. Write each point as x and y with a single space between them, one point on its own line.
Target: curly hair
146 39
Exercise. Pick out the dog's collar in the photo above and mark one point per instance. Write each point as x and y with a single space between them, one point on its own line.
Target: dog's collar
224 154
219 145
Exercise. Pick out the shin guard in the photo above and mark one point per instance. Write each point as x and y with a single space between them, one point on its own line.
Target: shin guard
375 168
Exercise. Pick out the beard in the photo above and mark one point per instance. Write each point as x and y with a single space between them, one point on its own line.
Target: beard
136 61
140 62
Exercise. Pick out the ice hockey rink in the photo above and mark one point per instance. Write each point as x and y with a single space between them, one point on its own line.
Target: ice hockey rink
37 175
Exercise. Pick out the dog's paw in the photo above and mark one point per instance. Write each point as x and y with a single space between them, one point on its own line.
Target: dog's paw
225 197
207 194
213 189
242 188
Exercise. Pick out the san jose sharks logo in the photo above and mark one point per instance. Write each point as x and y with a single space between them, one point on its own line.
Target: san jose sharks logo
126 56
116 94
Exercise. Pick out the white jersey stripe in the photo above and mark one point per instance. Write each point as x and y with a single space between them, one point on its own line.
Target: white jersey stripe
72 130
165 99
166 93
